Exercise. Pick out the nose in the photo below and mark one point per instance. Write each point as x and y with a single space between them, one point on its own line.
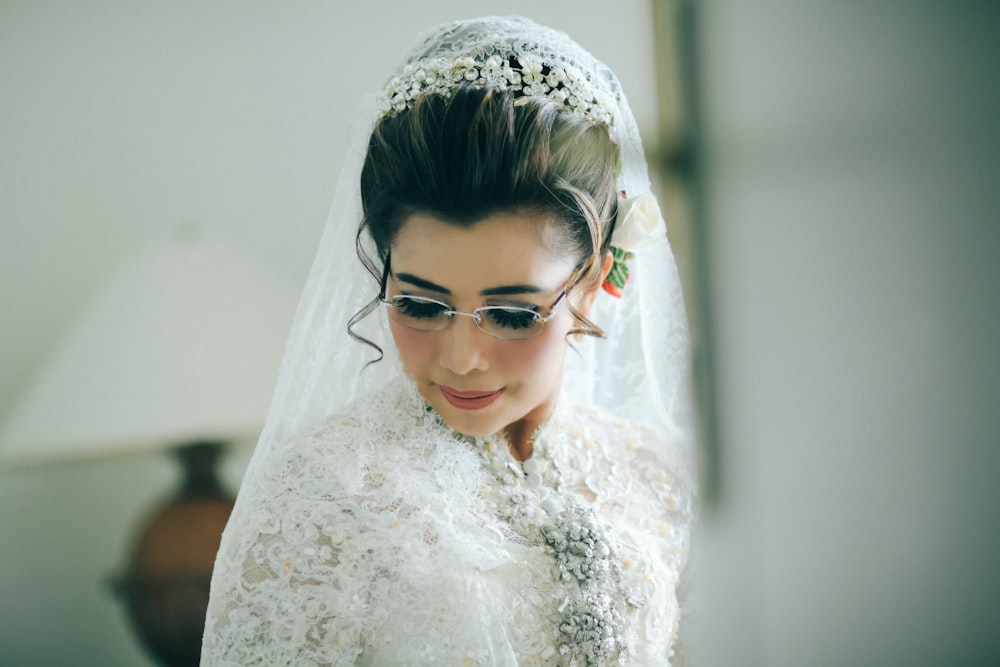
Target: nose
464 346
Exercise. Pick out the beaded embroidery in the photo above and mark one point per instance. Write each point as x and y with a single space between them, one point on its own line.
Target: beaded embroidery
526 76
593 603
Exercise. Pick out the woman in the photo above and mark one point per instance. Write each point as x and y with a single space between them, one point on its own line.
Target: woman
457 469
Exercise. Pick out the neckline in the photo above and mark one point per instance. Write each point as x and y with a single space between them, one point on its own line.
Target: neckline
500 443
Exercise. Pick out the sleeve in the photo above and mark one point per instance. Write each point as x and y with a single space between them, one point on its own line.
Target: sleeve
664 513
286 589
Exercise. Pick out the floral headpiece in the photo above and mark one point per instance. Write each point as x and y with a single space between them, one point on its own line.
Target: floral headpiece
524 74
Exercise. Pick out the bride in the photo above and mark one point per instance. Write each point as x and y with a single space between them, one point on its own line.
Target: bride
477 453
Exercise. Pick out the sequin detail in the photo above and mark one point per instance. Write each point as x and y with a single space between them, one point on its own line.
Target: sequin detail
593 604
526 76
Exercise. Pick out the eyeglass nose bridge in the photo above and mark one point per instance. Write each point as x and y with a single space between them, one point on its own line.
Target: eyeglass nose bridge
476 316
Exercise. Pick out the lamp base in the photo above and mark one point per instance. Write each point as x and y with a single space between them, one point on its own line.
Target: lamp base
166 584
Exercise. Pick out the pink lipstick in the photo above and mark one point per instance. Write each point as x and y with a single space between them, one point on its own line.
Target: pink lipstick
469 400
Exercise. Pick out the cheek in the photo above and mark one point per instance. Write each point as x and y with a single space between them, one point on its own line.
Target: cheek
535 355
416 348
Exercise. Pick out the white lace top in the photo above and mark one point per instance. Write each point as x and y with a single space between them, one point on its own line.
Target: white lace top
384 538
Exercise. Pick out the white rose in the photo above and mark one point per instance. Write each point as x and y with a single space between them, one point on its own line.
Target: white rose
639 222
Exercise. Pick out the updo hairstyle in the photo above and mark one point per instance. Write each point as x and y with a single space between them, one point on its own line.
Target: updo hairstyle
483 151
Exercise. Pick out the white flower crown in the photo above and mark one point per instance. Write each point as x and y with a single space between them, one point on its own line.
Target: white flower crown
520 73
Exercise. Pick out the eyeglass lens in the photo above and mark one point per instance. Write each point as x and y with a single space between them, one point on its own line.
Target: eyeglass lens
506 322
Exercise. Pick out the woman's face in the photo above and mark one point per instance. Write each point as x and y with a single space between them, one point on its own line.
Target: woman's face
480 384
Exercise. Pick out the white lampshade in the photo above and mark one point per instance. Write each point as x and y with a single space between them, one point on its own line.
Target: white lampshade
182 344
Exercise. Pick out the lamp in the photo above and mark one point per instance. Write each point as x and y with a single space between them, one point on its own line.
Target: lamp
180 350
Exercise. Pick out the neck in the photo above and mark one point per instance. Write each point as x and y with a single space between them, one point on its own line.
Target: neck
521 434
521 438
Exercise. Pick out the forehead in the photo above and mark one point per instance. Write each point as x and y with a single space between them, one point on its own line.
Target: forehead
502 249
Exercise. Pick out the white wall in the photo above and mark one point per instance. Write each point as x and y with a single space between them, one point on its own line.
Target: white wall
120 121
852 173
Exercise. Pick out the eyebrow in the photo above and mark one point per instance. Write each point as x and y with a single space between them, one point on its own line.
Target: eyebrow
491 291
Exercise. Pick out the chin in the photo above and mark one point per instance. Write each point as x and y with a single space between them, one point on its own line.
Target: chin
471 425
476 423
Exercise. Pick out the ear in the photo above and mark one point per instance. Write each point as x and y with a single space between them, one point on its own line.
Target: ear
609 262
588 296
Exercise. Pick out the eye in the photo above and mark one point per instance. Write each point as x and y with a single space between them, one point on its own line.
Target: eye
418 308
512 318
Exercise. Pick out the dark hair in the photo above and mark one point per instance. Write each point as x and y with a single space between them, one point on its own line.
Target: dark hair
483 151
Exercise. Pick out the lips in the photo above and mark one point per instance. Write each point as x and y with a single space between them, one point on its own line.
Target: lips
469 400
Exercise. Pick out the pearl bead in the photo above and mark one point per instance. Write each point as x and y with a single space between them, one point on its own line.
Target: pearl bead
531 466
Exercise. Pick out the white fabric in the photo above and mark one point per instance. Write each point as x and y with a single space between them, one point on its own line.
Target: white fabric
407 544
367 532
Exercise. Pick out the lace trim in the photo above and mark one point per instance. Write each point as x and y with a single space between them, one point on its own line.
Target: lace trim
380 538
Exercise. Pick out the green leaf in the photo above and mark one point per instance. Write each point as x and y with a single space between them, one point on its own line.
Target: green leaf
618 275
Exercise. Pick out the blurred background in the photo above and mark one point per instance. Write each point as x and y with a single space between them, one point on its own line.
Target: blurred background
830 174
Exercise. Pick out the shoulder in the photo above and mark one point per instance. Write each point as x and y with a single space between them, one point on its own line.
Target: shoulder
394 412
605 440
372 449
630 469
395 408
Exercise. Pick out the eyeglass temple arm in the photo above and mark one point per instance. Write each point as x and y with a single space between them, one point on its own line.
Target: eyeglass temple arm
555 306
